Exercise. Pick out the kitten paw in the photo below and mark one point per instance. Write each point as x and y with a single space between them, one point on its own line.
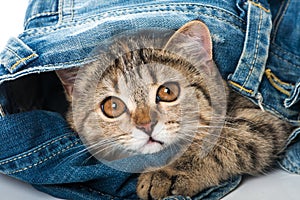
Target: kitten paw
160 184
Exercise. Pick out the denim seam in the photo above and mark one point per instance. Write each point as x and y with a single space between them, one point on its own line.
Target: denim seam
291 163
240 87
13 52
279 114
279 21
45 14
72 10
60 11
260 6
63 8
279 14
45 68
284 167
119 12
102 194
49 30
176 198
44 160
284 60
204 14
35 151
285 52
21 61
134 10
276 82
256 50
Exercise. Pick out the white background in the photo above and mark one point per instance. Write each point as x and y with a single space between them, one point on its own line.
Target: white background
277 185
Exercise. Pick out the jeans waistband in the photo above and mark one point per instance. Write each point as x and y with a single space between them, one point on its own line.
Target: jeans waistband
63 34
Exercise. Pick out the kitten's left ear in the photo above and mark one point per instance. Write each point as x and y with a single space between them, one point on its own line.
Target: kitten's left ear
193 38
67 78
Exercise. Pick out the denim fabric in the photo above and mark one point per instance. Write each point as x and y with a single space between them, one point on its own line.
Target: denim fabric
52 161
50 158
291 158
256 47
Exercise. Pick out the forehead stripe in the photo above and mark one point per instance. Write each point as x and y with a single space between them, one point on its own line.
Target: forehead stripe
152 74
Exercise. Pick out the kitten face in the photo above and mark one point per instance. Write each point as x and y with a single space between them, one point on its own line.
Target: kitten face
146 95
146 108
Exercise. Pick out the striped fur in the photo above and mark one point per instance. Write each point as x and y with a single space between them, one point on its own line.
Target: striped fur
250 140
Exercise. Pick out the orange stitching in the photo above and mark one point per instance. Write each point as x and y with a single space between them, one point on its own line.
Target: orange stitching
260 6
22 60
241 87
273 79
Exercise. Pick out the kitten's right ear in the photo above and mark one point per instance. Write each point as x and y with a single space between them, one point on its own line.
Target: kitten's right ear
192 39
67 78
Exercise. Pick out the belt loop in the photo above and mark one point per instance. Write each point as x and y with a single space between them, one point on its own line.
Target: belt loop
66 10
251 66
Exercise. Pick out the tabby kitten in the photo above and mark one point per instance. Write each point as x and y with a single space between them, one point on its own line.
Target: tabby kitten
149 99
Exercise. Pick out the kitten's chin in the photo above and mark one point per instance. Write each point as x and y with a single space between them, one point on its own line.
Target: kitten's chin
151 147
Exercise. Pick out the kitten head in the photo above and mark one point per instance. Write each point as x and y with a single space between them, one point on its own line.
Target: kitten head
146 95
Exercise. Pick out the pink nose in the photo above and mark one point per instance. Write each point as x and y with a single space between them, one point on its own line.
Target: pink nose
147 128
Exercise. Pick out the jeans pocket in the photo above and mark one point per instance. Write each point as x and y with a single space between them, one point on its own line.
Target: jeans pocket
278 84
284 92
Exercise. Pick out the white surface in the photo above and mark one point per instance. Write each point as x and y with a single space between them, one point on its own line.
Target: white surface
11 189
12 14
277 185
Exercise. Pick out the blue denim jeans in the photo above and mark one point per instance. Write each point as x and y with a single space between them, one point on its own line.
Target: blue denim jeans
256 48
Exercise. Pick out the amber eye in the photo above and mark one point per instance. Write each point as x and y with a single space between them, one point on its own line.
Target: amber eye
113 107
168 92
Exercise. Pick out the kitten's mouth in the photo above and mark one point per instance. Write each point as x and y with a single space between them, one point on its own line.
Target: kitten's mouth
151 140
152 146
